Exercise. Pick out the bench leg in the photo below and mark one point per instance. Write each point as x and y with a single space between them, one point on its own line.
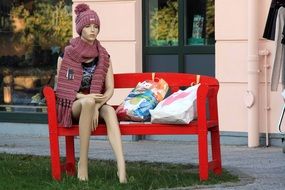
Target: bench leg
55 156
70 156
203 156
216 150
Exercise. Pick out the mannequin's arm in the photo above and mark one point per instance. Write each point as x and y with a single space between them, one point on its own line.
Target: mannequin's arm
59 60
109 90
109 87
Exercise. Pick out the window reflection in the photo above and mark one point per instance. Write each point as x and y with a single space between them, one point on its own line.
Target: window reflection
200 22
162 29
32 35
163 23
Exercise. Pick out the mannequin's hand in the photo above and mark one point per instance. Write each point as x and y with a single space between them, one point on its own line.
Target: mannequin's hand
98 97
80 95
95 119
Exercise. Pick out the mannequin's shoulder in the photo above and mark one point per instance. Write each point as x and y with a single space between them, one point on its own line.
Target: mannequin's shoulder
59 59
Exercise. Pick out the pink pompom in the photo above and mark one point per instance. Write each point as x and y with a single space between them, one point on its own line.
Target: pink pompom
81 8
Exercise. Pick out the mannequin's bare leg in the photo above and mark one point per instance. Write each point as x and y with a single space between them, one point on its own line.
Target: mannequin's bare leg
83 109
109 115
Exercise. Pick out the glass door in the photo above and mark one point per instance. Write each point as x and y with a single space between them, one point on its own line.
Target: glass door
32 35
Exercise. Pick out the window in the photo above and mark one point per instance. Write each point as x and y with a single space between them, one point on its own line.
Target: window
32 34
199 25
163 23
178 36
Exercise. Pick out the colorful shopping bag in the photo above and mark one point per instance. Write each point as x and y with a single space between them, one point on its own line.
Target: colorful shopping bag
145 96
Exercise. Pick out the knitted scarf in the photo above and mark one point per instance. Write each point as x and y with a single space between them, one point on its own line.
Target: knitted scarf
75 54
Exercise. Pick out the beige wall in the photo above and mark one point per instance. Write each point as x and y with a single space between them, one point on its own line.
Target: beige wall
231 66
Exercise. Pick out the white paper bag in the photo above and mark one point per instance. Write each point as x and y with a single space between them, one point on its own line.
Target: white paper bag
178 108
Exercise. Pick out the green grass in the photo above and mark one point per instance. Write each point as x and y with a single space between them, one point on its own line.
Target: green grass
33 172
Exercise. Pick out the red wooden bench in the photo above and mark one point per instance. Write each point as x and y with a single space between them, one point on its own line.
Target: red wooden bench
207 92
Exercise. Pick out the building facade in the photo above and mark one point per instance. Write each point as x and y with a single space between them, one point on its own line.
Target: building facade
221 38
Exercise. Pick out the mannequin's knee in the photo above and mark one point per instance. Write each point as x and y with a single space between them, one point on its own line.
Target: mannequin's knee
107 110
108 113
87 102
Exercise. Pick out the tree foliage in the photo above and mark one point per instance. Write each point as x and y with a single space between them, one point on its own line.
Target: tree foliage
164 22
210 18
48 25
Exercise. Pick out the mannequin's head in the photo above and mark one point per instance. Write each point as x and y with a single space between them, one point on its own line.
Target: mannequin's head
85 17
89 33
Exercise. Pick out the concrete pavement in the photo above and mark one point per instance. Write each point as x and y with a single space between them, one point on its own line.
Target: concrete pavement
258 168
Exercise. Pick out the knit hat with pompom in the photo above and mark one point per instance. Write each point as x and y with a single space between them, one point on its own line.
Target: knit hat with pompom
85 16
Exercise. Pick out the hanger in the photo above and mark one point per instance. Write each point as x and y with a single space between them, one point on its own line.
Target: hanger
280 3
197 80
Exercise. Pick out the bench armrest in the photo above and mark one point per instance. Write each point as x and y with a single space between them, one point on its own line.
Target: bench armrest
51 108
205 93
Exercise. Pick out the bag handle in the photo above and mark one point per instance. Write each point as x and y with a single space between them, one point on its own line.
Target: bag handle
152 76
197 80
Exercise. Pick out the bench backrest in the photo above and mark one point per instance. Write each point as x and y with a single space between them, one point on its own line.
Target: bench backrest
209 87
174 80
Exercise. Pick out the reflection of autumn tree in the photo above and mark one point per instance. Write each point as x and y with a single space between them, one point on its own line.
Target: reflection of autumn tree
164 22
47 26
210 18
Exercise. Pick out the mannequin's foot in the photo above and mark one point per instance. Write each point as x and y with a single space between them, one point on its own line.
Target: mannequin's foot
122 177
82 172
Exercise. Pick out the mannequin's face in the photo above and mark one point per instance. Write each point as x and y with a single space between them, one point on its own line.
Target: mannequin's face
89 33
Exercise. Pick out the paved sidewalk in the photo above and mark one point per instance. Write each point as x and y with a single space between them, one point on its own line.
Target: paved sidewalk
259 168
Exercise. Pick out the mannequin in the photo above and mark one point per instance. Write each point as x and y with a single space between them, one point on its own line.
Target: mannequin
86 66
